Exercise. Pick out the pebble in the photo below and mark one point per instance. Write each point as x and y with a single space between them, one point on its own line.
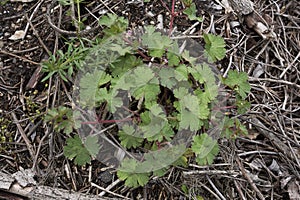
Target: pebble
149 14
105 177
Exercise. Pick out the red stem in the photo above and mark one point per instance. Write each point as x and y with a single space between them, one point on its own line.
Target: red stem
173 14
172 17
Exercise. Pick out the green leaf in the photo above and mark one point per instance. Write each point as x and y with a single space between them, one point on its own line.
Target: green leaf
127 172
181 92
124 64
160 172
142 76
155 41
182 72
102 95
129 137
186 55
115 25
165 133
156 124
167 78
191 12
214 47
92 145
191 103
62 118
111 20
75 149
203 73
89 87
149 92
162 158
182 161
233 128
133 180
238 81
108 20
203 111
121 49
242 106
173 59
65 2
187 3
185 189
189 121
205 149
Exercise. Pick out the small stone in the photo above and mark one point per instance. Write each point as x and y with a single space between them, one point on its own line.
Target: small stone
105 177
149 14
234 24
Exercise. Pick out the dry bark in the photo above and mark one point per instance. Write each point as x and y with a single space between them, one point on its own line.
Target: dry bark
10 189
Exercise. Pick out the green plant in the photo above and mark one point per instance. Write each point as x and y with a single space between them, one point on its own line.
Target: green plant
214 47
191 11
4 2
78 22
175 95
5 134
81 152
233 128
62 118
64 63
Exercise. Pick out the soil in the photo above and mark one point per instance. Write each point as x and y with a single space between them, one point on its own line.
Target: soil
261 165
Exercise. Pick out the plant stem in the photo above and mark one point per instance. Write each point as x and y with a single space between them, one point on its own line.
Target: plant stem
173 14
78 13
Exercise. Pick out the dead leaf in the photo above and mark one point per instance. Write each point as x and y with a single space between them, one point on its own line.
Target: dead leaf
294 190
17 35
25 177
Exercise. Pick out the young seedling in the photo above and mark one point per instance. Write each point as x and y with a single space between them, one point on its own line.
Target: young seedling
189 10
